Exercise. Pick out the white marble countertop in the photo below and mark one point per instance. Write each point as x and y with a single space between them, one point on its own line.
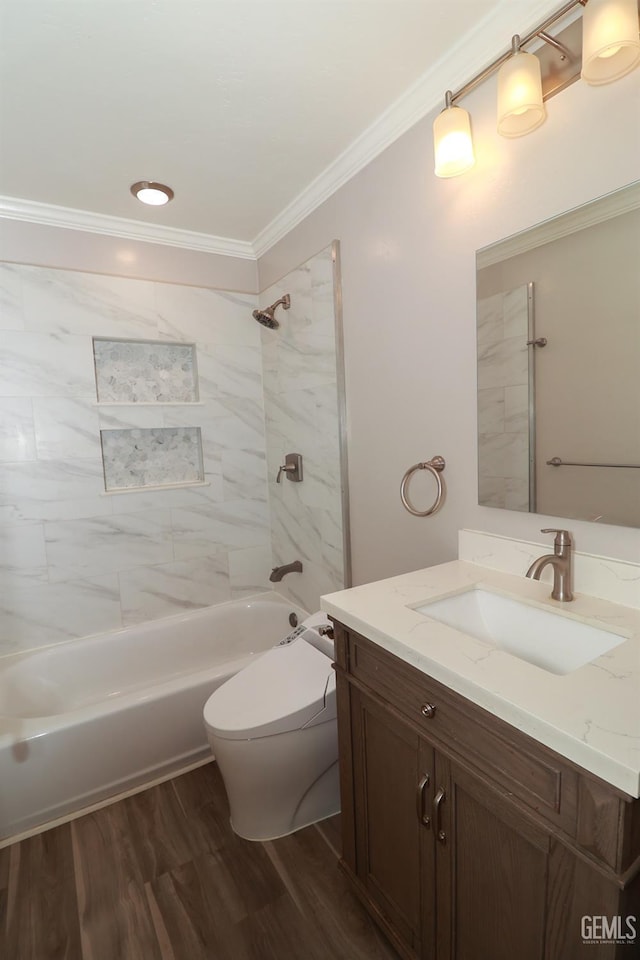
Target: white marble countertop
590 716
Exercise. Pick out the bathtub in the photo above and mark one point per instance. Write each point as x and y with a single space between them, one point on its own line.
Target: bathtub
94 718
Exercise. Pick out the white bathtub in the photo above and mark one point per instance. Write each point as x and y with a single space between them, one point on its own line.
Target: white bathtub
93 718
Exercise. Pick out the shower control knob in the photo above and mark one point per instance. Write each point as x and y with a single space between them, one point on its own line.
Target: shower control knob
428 710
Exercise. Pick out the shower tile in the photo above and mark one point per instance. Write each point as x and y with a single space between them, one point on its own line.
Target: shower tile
237 524
244 475
515 313
148 593
230 371
172 498
151 458
504 455
66 428
130 372
107 544
52 613
206 316
249 571
491 410
491 491
503 364
53 490
516 494
45 365
491 319
516 409
17 441
22 555
131 417
11 314
65 301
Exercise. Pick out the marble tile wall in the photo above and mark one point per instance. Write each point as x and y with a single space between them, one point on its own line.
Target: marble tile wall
74 560
503 401
301 407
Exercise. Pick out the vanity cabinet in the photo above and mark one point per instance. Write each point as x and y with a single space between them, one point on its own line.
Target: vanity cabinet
465 838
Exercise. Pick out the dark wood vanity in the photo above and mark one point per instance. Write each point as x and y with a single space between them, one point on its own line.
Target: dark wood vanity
467 839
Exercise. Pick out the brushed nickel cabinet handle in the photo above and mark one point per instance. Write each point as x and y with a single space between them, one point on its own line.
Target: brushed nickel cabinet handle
422 786
437 804
427 710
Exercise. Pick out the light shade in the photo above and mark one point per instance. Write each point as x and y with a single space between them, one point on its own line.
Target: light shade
610 43
520 106
152 193
452 142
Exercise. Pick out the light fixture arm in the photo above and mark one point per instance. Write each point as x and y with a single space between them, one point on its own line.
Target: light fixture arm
523 41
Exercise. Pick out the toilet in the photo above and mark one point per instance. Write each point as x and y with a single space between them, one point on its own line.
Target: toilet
273 731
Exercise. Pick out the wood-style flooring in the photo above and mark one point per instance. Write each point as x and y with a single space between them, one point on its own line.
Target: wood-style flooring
161 876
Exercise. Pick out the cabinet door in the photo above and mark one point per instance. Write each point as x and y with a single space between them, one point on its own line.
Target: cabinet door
492 869
393 789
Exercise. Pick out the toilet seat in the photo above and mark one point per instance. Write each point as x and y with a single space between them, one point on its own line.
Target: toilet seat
287 688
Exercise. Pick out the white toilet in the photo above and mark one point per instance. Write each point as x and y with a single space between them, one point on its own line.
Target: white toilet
273 730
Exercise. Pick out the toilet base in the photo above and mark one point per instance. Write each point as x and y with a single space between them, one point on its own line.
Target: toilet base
321 802
277 785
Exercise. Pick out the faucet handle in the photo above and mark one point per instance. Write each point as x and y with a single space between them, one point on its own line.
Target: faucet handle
563 537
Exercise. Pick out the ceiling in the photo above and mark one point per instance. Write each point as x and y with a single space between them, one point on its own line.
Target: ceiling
238 105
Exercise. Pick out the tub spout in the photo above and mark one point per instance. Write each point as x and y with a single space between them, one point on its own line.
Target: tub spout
279 572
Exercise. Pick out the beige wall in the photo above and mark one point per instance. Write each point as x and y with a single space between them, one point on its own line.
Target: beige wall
408 244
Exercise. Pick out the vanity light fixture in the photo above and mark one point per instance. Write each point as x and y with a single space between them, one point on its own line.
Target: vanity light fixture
610 49
610 44
520 106
453 142
152 193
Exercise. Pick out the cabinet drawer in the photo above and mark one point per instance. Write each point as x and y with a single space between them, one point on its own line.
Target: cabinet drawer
523 767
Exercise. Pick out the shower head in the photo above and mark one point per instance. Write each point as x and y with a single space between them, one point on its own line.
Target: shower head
267 316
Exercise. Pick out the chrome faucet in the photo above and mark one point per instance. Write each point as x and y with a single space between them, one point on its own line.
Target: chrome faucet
562 562
279 572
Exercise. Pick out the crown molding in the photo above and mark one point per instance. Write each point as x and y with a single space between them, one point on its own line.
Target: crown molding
486 41
604 208
30 211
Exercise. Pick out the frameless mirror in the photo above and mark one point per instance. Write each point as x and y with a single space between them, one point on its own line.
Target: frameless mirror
558 327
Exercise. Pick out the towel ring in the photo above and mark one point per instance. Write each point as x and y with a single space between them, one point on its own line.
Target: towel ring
435 466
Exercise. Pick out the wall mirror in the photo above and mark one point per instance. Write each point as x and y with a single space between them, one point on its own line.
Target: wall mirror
558 324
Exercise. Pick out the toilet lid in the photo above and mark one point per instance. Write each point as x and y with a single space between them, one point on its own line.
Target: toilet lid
282 690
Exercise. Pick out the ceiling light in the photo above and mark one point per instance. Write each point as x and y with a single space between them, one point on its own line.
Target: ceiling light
152 193
452 140
610 44
520 107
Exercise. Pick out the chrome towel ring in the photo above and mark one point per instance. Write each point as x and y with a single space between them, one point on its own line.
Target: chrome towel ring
435 466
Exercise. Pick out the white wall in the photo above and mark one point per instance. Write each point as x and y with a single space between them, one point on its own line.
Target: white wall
408 243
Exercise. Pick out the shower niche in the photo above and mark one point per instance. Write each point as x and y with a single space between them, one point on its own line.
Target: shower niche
148 373
145 371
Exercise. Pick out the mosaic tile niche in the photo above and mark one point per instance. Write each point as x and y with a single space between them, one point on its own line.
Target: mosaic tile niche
145 372
156 457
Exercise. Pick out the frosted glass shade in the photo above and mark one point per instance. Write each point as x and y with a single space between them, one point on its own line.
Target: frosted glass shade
452 142
610 43
520 106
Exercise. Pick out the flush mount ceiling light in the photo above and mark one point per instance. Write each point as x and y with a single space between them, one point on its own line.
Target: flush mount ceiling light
607 32
152 193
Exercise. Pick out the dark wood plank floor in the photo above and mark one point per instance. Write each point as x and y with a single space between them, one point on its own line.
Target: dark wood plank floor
161 876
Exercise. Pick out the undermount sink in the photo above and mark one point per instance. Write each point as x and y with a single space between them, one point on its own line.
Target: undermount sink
547 639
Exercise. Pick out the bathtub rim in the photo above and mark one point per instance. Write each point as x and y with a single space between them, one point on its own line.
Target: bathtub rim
267 596
33 726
